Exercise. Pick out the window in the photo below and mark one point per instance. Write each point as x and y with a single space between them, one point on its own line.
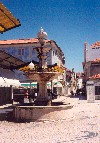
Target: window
56 52
53 53
97 90
20 51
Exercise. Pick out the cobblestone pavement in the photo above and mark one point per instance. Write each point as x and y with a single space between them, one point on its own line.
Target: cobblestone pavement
81 124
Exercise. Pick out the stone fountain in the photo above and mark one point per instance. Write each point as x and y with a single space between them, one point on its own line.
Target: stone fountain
42 108
42 76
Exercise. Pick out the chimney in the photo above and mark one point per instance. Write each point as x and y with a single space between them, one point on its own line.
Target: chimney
85 50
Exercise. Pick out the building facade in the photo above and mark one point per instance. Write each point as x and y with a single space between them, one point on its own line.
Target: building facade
91 52
91 66
24 49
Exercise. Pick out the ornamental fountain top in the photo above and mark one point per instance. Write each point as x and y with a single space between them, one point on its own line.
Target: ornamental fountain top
41 36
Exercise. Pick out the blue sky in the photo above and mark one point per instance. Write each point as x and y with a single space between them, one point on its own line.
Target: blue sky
68 22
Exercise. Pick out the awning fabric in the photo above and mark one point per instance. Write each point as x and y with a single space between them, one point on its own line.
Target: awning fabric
57 84
4 82
7 20
33 84
8 61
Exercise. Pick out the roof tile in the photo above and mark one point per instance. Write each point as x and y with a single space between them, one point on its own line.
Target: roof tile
96 60
19 41
95 45
95 76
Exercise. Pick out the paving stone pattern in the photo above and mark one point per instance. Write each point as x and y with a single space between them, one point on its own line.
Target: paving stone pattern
81 125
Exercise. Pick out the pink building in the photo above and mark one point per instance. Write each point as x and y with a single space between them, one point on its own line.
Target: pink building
91 67
91 64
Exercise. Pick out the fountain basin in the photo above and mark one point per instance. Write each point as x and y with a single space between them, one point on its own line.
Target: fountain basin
38 113
43 76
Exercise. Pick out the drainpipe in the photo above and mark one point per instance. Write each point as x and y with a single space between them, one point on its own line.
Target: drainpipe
12 94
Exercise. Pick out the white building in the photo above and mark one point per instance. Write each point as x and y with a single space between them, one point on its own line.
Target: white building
91 67
91 52
23 49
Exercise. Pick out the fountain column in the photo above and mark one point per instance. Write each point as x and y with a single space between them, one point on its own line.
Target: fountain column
42 88
42 75
42 51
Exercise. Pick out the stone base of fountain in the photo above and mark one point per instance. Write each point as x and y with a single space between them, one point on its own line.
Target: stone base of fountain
33 113
39 113
42 101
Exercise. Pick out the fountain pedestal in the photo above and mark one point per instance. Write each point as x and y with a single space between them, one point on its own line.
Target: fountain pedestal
42 73
42 78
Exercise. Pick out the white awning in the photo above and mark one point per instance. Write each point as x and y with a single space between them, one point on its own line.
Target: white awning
8 82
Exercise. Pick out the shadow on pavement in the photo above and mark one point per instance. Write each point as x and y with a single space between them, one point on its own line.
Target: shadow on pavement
6 112
80 97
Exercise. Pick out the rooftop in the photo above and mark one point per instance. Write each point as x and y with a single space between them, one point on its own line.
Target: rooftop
96 60
95 76
20 41
95 45
7 20
26 41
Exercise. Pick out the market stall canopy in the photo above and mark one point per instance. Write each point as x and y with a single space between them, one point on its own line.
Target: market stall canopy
4 82
33 84
7 20
57 84
8 61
